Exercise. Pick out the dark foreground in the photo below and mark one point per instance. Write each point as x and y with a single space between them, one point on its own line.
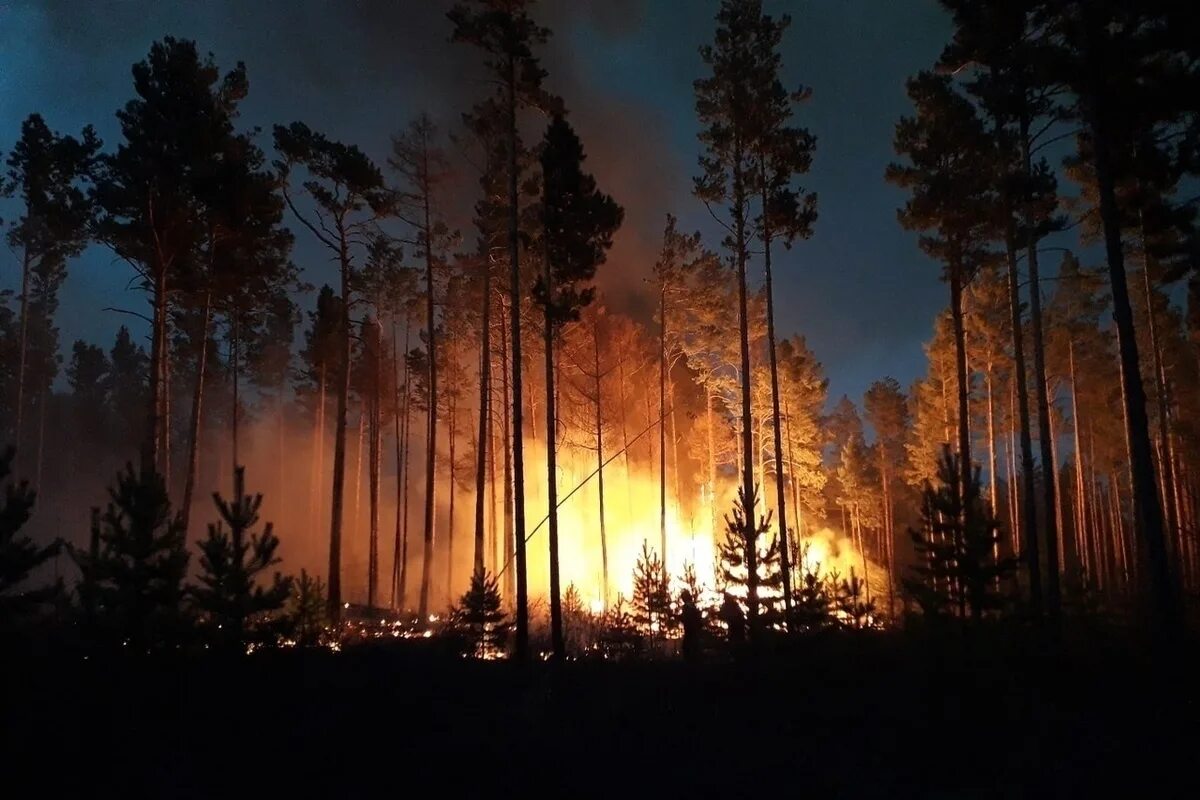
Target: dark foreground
880 716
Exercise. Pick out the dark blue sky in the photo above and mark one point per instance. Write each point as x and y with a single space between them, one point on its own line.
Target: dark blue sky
859 289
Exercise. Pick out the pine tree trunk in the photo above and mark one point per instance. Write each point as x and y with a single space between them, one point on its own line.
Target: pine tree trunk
397 598
318 447
234 362
714 512
23 353
748 488
960 350
1045 437
152 452
485 391
780 493
600 468
1081 534
662 423
518 452
375 446
556 629
193 466
510 539
1028 515
431 400
450 512
406 470
359 436
339 438
1157 587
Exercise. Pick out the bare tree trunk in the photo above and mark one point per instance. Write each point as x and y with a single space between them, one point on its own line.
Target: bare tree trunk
780 494
339 439
1045 436
376 445
600 467
1157 586
24 346
397 599
431 404
193 467
510 543
402 485
485 392
748 487
662 424
1026 498
451 433
556 628
518 451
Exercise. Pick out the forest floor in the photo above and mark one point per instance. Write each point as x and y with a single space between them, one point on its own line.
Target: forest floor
891 715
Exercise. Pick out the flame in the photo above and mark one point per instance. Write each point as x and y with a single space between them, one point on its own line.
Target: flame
632 515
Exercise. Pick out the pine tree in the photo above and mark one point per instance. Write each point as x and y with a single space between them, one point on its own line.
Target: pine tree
351 197
231 600
421 164
947 150
727 105
958 571
306 610
19 555
788 212
887 412
131 576
578 223
812 600
855 607
147 192
651 602
746 560
1121 61
46 171
479 618
507 35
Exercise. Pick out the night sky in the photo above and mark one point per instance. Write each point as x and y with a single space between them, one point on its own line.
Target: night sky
359 70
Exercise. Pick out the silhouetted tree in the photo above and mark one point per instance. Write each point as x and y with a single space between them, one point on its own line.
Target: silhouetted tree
230 598
478 617
131 575
728 106
651 602
350 198
782 152
957 570
173 133
746 560
578 223
306 610
19 555
507 35
46 171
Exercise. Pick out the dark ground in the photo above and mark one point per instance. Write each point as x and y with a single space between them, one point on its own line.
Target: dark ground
884 715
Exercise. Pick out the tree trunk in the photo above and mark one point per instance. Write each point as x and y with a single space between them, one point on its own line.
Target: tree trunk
23 354
1028 507
375 446
556 628
193 466
518 452
318 449
431 407
397 600
339 439
406 470
1049 467
960 351
662 424
748 488
451 493
600 468
780 494
485 391
510 543
152 446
